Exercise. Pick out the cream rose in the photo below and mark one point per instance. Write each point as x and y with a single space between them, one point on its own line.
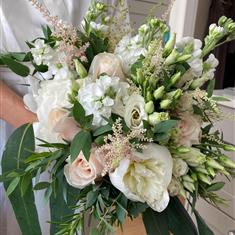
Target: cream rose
107 63
61 123
134 113
147 178
190 129
81 172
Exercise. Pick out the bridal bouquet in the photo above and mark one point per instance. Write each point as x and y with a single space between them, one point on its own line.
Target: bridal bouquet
124 128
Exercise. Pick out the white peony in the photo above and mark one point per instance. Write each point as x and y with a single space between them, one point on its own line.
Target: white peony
129 49
134 113
100 97
107 63
147 178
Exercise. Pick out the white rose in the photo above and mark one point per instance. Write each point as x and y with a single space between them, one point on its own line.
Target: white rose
190 129
134 113
81 173
146 179
180 167
106 63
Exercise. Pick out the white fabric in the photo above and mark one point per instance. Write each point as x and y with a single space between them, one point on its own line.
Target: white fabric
21 22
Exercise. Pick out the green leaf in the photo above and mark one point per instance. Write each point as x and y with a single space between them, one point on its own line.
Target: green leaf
215 187
197 110
46 31
202 226
59 208
165 126
25 183
13 185
79 113
102 130
121 209
161 137
15 66
41 185
220 98
99 140
20 56
156 223
13 160
94 231
81 142
180 222
136 208
211 87
91 198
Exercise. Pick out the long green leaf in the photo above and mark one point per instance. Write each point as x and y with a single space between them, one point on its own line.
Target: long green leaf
180 221
13 159
156 223
59 208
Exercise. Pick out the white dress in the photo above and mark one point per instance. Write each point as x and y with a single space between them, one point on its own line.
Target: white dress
21 22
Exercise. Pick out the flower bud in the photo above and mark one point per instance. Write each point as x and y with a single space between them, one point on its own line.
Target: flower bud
80 69
175 78
159 92
172 58
194 177
154 22
149 96
211 171
214 164
155 118
174 94
187 178
222 20
165 104
189 186
183 58
231 27
174 187
149 107
204 178
99 6
139 76
225 161
201 169
227 147
197 83
182 149
169 45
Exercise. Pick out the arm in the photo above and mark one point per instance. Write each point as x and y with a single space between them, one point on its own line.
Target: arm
12 108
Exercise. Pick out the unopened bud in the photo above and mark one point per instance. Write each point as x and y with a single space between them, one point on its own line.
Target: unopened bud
231 27
197 83
165 104
204 178
149 96
189 186
149 107
211 171
227 147
194 177
159 92
187 178
80 69
175 78
172 58
225 161
182 149
174 94
155 118
222 20
139 76
214 164
201 170
183 58
169 45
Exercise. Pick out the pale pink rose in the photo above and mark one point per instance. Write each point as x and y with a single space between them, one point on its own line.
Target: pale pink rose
107 63
81 173
62 124
190 129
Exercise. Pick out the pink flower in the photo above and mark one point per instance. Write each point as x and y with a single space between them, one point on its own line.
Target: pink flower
190 129
81 172
63 125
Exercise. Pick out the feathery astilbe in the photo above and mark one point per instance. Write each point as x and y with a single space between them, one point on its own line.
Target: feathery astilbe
65 32
119 145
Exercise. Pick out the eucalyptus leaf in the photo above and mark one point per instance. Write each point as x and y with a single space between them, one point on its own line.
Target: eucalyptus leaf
165 126
13 160
102 130
41 185
91 198
216 186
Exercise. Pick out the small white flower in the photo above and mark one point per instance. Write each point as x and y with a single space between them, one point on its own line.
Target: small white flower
99 97
214 29
99 27
134 113
210 66
41 52
129 49
196 67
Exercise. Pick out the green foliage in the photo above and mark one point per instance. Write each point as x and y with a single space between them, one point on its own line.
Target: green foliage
15 66
211 87
216 186
81 142
102 130
17 150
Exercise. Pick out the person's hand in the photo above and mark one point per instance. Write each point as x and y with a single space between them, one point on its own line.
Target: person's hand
12 108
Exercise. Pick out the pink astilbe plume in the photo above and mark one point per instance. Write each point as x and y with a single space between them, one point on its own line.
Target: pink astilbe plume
66 33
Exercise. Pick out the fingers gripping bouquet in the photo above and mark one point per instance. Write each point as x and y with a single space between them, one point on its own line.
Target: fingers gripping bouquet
123 126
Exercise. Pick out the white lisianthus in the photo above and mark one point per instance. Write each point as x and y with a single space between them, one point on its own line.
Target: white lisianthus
189 45
107 63
146 179
98 27
99 97
134 113
180 167
129 49
41 52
